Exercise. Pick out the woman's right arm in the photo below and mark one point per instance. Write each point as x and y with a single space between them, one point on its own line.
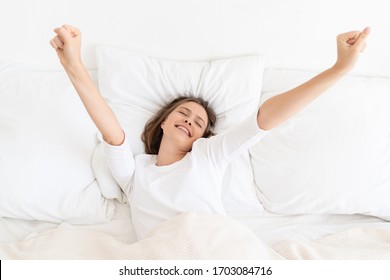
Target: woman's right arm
67 44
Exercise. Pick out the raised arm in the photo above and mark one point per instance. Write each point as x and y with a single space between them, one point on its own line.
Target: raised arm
283 106
67 44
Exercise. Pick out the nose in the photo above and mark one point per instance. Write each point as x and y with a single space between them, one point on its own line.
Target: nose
186 121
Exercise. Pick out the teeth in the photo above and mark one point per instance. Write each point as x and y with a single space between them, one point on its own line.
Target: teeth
185 130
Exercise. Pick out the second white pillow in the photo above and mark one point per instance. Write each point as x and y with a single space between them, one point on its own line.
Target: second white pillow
333 157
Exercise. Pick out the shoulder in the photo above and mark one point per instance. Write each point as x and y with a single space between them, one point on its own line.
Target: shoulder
144 159
200 144
201 149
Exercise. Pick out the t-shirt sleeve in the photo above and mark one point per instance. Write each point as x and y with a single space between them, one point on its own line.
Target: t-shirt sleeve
121 162
224 147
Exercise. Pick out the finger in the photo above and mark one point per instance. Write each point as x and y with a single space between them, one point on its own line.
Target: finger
351 35
367 30
360 42
63 34
71 29
59 52
58 42
53 44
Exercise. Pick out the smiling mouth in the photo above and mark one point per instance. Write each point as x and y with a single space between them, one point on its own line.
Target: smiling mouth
185 130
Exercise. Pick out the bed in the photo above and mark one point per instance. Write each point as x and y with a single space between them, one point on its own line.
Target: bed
317 187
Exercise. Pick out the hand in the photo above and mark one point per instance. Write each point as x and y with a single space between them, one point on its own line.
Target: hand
67 44
349 47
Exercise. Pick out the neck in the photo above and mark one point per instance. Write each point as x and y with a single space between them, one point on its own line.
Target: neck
168 154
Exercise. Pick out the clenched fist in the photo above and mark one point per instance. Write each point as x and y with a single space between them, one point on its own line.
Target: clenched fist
67 44
349 47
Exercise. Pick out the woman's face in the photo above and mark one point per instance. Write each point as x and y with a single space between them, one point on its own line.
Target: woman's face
185 124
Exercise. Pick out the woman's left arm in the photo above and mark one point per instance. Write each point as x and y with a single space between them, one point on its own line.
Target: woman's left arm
283 106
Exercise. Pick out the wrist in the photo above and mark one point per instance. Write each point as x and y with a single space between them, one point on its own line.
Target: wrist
74 67
339 70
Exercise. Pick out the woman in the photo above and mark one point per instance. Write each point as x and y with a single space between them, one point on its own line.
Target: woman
183 167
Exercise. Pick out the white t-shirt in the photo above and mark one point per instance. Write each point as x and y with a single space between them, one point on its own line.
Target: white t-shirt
157 193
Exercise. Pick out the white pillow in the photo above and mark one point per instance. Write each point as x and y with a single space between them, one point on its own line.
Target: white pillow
334 156
137 86
46 145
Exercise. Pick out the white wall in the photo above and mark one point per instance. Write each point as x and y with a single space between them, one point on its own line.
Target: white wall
293 34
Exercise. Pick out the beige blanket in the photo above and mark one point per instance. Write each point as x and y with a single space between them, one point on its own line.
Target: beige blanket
194 236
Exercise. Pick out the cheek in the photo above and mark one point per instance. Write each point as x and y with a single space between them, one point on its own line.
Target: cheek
200 132
163 124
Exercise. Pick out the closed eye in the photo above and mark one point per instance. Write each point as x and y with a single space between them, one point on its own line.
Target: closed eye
187 112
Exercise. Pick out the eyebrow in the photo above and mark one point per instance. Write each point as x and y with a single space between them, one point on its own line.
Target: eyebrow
198 117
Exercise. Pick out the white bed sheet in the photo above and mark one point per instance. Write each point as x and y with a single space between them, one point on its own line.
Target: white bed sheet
120 227
270 228
273 228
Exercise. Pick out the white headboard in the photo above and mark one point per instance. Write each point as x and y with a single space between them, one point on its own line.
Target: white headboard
296 34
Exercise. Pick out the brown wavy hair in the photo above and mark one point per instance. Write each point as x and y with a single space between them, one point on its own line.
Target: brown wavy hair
152 134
